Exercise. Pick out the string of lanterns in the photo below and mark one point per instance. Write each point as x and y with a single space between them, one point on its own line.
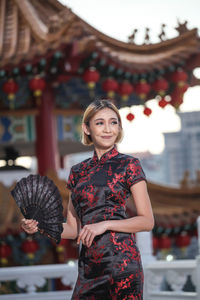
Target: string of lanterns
168 90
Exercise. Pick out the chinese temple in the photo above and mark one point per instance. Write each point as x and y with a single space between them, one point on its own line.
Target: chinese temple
53 64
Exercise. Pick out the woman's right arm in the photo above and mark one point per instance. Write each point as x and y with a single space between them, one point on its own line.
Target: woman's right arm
70 228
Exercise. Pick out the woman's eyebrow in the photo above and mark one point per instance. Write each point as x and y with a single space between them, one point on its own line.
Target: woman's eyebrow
102 119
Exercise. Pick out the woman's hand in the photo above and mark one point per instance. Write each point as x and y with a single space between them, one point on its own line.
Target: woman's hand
30 226
88 232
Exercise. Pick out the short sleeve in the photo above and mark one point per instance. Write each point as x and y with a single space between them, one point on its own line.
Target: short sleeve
71 180
134 172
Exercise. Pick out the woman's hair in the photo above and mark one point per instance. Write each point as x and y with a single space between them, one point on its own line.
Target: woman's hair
91 110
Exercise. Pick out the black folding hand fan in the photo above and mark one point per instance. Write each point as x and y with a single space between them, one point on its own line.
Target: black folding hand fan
39 199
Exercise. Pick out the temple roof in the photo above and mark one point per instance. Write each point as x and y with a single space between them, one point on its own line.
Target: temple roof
30 28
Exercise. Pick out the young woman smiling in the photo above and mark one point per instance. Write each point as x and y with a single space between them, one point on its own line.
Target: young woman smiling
109 263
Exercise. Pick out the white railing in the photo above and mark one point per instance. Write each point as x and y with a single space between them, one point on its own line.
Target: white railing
29 278
175 274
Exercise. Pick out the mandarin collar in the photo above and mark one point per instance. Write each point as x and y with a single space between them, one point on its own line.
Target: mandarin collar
106 156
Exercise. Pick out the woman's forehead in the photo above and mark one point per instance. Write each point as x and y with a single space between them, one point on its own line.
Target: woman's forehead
105 113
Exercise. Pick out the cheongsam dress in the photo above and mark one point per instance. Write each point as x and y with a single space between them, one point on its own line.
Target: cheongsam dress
111 267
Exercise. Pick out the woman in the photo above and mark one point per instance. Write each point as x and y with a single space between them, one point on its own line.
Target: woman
109 263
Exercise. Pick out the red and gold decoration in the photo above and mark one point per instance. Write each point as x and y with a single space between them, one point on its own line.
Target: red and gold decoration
142 88
10 88
110 86
147 111
37 85
179 78
163 102
5 253
160 86
124 90
91 77
30 247
130 117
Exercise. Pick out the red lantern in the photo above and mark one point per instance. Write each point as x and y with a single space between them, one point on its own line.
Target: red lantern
176 99
91 77
30 247
147 111
130 117
179 75
164 242
125 89
155 242
182 87
5 252
162 103
110 86
182 240
160 86
142 89
10 87
60 248
37 85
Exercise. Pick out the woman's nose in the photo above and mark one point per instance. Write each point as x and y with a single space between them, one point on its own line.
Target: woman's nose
107 128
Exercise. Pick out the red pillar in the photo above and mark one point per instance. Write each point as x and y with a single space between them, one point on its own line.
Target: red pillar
46 134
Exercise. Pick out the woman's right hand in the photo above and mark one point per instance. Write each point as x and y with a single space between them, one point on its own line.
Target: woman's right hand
30 226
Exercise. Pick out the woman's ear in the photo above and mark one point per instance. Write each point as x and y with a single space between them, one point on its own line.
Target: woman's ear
85 128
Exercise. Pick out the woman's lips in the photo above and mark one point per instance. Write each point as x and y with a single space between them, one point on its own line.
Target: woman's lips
106 137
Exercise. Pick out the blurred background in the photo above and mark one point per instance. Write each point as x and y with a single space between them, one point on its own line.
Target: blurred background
58 56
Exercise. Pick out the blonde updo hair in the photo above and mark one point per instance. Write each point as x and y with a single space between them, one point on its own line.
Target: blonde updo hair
91 110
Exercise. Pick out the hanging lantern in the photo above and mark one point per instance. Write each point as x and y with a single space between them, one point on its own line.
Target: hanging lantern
29 247
179 76
182 240
160 86
162 103
130 117
10 87
147 111
182 87
176 98
164 242
5 252
142 89
37 85
110 86
155 243
91 77
125 89
61 250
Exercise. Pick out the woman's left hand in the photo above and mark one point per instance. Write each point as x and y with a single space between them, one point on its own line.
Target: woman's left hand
88 232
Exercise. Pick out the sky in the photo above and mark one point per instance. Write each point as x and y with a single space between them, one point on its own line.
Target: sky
117 19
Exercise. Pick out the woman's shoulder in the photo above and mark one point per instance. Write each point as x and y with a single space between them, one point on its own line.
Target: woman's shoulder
128 158
81 165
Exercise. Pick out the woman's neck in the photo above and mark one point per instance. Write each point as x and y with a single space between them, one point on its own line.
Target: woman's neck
100 151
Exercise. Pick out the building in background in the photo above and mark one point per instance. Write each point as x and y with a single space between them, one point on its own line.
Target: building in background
182 149
154 166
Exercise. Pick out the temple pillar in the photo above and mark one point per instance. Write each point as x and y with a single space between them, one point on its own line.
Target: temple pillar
46 140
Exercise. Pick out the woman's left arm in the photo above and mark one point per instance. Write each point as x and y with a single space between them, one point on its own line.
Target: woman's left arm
144 221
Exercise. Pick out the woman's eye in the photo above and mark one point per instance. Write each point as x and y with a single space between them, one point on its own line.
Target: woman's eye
99 123
114 122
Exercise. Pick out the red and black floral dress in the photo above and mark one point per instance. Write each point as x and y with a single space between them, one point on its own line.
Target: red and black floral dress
111 267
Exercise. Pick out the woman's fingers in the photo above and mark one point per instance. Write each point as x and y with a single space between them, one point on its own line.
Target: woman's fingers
29 225
86 236
82 236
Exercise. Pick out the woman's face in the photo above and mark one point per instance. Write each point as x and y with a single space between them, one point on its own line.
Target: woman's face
104 128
